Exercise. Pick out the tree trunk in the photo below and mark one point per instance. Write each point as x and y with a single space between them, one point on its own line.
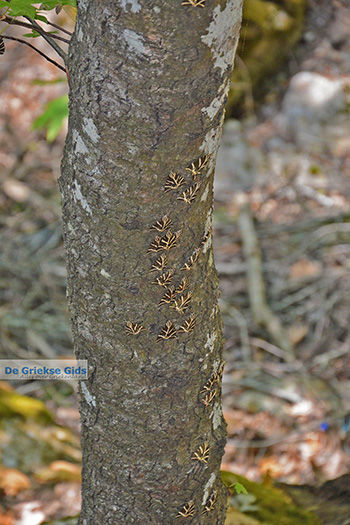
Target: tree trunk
148 84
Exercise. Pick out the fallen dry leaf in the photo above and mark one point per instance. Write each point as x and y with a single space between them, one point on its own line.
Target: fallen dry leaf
304 268
13 481
6 518
296 332
59 471
16 190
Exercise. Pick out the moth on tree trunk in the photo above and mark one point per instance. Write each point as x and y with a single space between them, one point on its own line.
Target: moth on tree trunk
148 85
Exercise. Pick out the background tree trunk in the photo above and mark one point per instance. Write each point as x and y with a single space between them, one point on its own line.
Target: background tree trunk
148 84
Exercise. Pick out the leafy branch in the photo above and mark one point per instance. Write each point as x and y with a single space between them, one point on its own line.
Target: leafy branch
56 111
14 22
26 9
48 39
35 49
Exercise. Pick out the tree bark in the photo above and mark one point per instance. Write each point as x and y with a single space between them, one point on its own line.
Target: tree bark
148 85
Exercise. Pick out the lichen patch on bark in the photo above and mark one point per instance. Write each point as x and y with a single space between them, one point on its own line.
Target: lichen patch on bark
208 486
90 129
135 43
79 197
220 38
88 397
218 102
135 6
80 147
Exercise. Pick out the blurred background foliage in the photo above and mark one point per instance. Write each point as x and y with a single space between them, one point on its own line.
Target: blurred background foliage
270 30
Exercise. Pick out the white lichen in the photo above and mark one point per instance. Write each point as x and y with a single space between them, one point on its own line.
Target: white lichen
79 33
205 193
133 150
211 140
85 332
223 31
78 196
83 4
210 144
135 43
135 6
218 102
216 365
90 129
79 145
208 486
81 271
207 229
211 338
217 415
90 399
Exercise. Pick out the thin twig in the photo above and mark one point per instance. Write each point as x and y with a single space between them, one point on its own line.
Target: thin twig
303 226
13 21
58 50
268 347
241 321
323 359
48 39
261 310
35 49
59 28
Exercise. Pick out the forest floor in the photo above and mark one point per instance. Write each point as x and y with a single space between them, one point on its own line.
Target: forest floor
286 395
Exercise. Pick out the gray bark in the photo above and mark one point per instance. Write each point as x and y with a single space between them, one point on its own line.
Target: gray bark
148 84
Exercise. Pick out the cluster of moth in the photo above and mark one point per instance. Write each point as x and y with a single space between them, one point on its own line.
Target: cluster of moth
175 297
194 3
211 387
176 294
189 510
201 455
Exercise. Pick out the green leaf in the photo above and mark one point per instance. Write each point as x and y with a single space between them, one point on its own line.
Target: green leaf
20 8
40 82
42 18
52 118
51 4
239 488
27 7
33 34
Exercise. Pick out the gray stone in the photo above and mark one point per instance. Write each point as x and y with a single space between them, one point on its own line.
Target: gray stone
312 97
